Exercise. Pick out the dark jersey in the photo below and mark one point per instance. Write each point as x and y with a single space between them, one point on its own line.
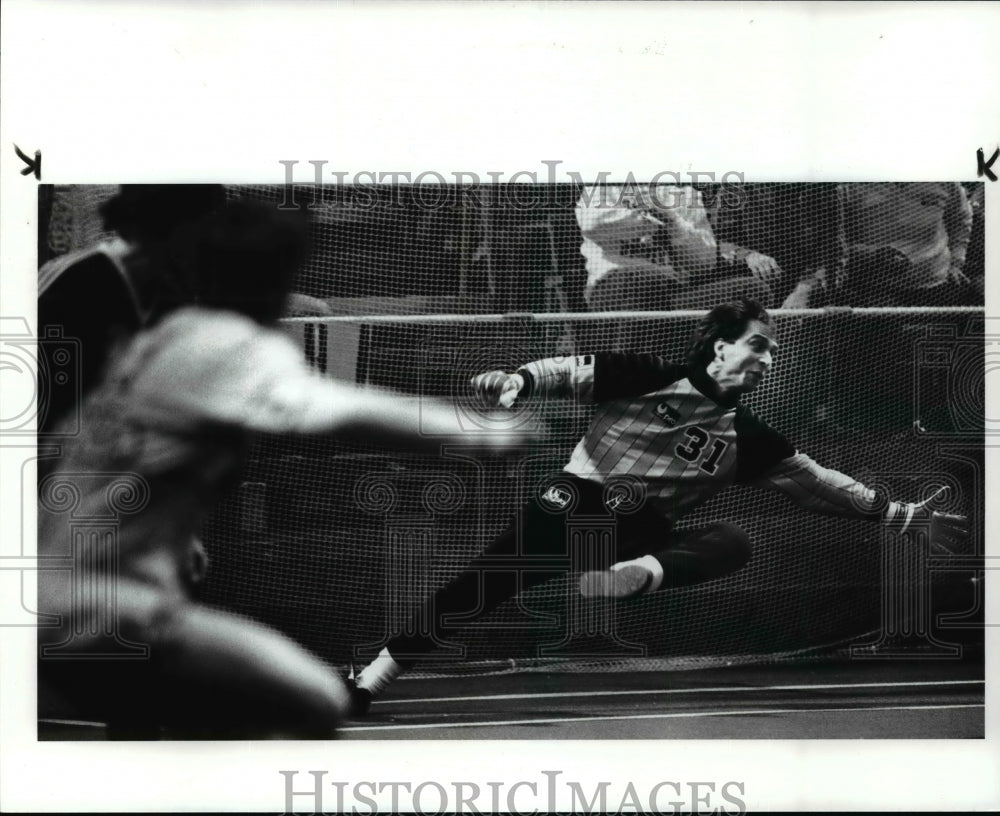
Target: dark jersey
88 298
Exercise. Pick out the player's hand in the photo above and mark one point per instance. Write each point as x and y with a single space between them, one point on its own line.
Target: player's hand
956 275
763 267
947 532
497 389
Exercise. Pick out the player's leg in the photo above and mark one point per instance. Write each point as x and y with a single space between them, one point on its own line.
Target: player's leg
499 573
207 672
488 581
247 676
692 557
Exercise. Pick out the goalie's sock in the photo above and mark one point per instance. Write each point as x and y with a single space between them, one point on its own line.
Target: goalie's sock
626 579
378 674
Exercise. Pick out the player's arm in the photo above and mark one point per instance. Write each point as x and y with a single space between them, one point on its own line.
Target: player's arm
319 405
832 493
958 224
563 377
586 378
821 490
230 374
825 272
689 235
670 217
603 214
766 459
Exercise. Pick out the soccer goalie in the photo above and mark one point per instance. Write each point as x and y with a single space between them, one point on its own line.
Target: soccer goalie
666 437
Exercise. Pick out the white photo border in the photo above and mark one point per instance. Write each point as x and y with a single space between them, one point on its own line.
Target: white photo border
114 92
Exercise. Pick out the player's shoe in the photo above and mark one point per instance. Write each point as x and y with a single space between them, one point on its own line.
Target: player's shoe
627 582
361 700
371 681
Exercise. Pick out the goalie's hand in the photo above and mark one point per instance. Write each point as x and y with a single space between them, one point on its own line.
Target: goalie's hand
497 389
947 533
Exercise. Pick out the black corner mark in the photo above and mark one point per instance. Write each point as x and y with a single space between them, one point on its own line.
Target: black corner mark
984 166
34 165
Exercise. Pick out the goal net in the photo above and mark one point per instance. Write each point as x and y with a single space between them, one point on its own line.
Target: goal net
335 542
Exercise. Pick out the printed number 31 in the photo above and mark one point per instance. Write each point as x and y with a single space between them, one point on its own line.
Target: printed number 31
696 446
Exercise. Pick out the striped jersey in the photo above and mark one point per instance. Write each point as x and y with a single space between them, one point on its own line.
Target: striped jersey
668 426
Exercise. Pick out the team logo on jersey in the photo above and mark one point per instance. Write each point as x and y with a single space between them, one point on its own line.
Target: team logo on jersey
557 497
670 415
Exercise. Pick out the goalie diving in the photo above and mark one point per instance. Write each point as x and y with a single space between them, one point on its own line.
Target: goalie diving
664 439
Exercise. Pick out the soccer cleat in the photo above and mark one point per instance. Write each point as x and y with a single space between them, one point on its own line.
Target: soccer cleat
627 582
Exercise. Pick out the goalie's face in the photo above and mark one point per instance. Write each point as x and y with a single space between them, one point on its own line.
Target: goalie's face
741 365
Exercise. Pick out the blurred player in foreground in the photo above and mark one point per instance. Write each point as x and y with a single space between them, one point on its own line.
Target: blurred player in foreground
664 439
162 437
103 294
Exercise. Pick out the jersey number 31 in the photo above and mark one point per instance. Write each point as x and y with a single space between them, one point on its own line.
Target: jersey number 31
695 448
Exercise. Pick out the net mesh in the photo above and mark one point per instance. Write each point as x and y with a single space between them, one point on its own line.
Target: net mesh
564 248
334 542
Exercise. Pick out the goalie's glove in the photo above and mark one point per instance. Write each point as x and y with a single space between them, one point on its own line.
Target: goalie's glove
946 532
497 389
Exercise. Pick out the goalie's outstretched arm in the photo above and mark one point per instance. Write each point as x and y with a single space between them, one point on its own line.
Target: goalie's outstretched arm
827 491
585 378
